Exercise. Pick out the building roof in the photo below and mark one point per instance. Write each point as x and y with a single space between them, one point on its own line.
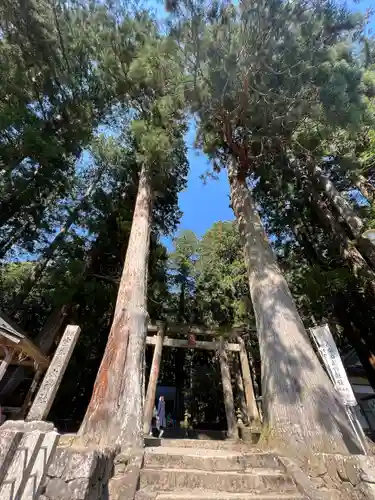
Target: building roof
26 353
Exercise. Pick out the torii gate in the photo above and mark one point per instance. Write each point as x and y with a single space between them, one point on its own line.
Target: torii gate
243 378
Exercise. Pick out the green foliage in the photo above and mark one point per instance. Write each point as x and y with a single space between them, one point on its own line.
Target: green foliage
91 92
182 264
208 278
89 95
184 257
260 68
222 288
51 102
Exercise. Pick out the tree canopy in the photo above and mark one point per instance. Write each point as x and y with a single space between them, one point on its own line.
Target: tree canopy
95 99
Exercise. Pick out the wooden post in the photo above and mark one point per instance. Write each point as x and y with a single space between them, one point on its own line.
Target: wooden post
52 379
252 407
240 391
33 387
153 380
6 361
144 377
228 393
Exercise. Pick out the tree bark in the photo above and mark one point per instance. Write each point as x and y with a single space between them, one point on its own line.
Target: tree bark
342 206
359 268
47 336
115 413
354 223
349 253
300 403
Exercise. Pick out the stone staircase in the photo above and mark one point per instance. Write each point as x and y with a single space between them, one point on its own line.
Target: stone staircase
212 470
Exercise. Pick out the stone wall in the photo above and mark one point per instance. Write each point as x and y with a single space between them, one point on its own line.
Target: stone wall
78 474
352 477
26 451
124 483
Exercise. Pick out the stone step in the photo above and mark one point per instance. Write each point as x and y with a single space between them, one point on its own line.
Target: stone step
208 459
178 433
147 494
260 482
248 434
198 443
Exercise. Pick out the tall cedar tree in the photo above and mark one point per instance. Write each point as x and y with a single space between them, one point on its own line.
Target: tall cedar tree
115 412
257 70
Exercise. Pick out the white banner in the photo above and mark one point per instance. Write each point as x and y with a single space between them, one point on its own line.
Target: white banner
328 350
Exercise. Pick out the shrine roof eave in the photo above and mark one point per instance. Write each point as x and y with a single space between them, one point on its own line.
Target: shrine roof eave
11 336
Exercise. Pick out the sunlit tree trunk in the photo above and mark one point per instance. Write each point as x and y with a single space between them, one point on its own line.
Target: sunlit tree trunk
349 253
353 259
343 208
115 413
330 223
300 404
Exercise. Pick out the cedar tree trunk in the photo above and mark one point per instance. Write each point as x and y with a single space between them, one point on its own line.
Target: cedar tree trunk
115 413
300 404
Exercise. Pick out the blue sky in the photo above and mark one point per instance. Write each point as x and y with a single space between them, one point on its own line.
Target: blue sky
202 203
